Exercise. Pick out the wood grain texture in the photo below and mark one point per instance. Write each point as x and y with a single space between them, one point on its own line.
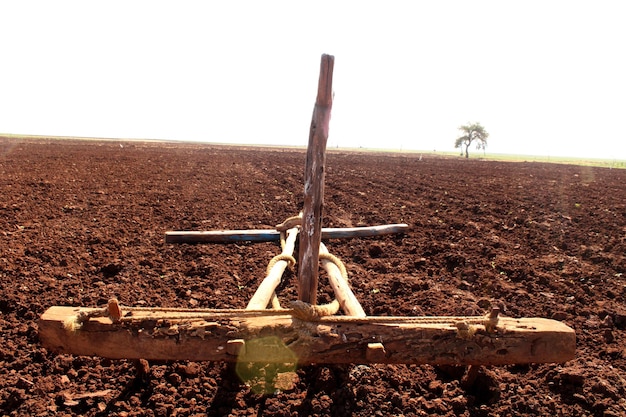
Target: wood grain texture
276 336
314 171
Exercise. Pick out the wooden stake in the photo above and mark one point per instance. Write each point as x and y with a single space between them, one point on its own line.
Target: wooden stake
220 335
311 237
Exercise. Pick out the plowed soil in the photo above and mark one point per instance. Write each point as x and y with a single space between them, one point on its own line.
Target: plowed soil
83 221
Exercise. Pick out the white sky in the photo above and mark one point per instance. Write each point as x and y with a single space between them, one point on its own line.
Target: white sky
543 77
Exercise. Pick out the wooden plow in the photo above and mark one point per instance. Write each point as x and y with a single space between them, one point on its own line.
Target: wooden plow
302 332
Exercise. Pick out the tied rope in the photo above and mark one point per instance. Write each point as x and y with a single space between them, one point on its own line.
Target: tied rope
289 223
301 309
309 312
291 261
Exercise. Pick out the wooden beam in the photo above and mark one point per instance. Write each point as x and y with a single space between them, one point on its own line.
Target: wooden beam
343 293
272 235
267 288
311 236
275 336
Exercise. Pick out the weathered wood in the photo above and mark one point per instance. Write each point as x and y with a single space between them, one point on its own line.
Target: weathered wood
347 300
311 235
271 235
264 293
276 336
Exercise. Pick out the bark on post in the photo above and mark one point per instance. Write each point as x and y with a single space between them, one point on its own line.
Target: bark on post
310 237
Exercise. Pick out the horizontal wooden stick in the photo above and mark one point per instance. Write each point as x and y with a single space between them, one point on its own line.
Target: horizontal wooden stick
271 235
276 336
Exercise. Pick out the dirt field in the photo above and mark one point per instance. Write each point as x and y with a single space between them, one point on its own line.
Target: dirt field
84 221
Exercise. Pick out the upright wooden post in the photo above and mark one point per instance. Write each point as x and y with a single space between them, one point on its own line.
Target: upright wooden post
311 234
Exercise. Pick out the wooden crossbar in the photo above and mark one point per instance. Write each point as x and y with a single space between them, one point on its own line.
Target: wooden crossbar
277 336
272 235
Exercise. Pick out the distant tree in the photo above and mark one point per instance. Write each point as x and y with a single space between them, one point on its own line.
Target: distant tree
472 132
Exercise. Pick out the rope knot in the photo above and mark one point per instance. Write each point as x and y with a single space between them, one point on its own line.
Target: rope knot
291 261
308 312
290 223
